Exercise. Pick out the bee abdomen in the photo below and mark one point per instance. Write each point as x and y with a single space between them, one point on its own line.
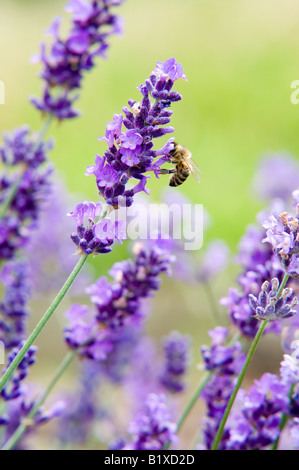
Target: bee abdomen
178 178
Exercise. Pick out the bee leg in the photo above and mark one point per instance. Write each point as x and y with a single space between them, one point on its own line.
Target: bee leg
164 171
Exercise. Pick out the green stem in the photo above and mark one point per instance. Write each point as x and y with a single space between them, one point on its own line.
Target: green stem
198 391
43 321
244 369
191 404
16 436
283 421
212 302
238 384
194 399
14 188
282 285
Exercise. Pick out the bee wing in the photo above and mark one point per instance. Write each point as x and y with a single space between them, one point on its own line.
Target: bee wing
195 170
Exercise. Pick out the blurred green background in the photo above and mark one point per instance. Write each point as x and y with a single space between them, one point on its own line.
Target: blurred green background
240 57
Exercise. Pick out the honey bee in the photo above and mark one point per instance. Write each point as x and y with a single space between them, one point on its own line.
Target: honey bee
184 166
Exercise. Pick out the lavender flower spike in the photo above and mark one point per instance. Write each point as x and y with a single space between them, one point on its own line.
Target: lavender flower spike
95 237
14 388
130 152
68 59
176 350
268 307
152 428
283 235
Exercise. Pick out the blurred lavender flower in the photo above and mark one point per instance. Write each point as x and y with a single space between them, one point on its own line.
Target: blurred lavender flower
119 303
13 388
214 261
131 153
294 432
283 234
46 275
258 265
82 408
254 422
262 409
176 350
95 237
268 307
84 334
216 395
143 375
276 177
289 367
152 427
14 304
22 156
19 148
17 410
68 59
223 359
289 372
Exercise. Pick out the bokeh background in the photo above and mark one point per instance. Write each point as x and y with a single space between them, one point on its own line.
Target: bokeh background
240 58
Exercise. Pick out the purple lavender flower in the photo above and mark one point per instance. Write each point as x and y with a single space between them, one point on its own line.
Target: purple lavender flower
17 410
21 148
21 153
85 335
276 177
240 312
214 261
283 234
118 306
225 360
262 408
45 275
289 367
119 303
152 427
131 154
13 388
95 237
176 350
14 304
268 307
171 69
216 395
294 431
258 265
68 59
254 422
289 372
82 407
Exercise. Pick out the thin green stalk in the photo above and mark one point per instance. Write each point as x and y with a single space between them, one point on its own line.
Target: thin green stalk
14 188
283 421
244 369
238 384
198 391
16 436
194 399
191 404
46 317
211 299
